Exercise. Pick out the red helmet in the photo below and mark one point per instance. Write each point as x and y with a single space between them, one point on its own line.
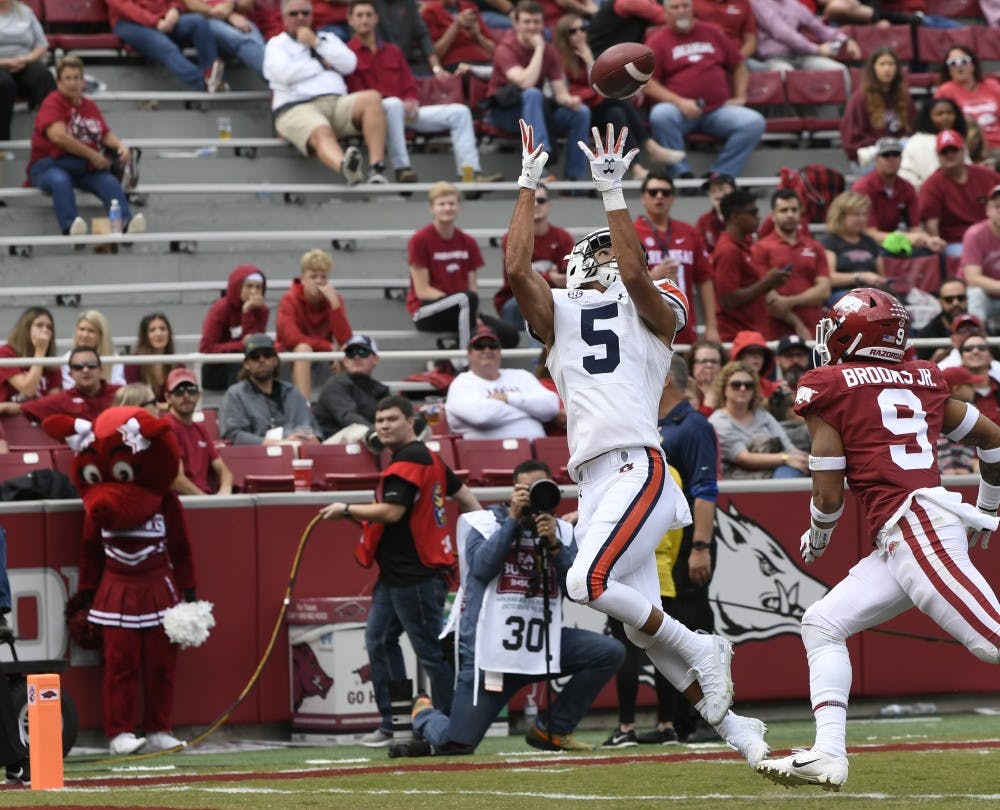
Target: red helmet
866 324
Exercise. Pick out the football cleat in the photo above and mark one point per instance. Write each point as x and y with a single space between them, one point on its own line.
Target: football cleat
714 674
806 767
746 735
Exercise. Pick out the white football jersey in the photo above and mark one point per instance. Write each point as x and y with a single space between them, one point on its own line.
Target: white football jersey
609 369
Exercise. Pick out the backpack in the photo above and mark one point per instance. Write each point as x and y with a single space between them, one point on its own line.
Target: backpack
38 485
816 186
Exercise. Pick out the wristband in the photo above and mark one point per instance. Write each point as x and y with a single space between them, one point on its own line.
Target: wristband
701 545
832 517
614 200
989 497
347 510
991 455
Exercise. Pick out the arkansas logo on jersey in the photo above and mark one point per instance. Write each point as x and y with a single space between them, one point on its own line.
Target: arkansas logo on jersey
676 299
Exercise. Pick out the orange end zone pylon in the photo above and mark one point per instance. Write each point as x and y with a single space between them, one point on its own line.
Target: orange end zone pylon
45 730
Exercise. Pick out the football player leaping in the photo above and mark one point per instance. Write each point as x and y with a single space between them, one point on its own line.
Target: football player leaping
875 418
609 337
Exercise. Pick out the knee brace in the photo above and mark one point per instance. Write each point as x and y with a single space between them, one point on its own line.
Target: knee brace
638 638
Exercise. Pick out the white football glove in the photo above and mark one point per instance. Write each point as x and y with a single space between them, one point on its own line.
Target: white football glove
533 158
813 543
608 165
981 535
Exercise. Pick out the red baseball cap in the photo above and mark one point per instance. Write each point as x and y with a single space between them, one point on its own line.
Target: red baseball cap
966 319
181 375
947 138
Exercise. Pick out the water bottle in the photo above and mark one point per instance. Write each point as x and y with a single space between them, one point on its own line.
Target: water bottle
115 217
530 711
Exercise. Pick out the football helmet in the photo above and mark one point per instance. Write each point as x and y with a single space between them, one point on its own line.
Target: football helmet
583 267
866 324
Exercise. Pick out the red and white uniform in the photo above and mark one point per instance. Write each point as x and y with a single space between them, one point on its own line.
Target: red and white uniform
889 417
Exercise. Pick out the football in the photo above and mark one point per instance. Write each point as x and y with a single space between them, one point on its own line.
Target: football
622 70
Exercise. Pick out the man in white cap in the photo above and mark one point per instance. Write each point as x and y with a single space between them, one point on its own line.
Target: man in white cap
345 409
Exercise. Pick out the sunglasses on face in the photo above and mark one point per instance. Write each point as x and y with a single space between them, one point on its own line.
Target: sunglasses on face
486 345
975 347
265 354
706 361
186 389
959 61
299 13
357 351
746 385
82 366
953 299
660 192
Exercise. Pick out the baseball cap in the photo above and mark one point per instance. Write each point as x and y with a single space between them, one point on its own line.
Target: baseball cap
362 340
718 179
256 343
966 319
791 342
181 375
948 137
959 375
885 146
483 333
994 191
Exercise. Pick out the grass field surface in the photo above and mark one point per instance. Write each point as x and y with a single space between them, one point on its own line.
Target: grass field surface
948 761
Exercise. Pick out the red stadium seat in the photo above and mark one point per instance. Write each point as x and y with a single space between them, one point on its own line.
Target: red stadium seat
922 272
933 44
443 89
22 462
955 9
257 468
491 462
766 94
79 25
554 451
896 37
808 89
208 419
442 445
62 460
24 434
987 43
341 466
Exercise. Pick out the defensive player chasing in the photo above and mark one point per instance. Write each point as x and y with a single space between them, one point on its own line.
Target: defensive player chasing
609 338
875 419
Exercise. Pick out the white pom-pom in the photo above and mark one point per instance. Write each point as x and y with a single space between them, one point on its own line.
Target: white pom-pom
188 623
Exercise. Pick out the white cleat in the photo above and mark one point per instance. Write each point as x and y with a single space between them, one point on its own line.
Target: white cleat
746 736
714 675
162 741
126 743
806 767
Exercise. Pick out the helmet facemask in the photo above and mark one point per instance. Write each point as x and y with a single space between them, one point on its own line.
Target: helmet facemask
583 267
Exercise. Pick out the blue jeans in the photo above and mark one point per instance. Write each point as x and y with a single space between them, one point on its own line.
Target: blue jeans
591 658
417 610
496 19
59 176
787 471
937 21
740 127
191 29
248 48
575 124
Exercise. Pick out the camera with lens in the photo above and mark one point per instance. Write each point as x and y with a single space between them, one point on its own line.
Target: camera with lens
543 497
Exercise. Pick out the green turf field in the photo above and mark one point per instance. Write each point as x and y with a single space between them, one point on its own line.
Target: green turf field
948 761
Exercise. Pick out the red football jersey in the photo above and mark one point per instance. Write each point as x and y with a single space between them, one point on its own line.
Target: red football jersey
889 418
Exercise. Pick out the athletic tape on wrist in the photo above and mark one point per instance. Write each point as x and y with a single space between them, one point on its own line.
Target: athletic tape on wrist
614 200
823 517
968 422
989 497
827 463
990 455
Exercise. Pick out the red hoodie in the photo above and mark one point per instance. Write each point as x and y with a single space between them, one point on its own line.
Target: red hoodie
311 322
226 323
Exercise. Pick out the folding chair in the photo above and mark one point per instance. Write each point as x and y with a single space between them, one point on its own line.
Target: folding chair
554 451
808 89
933 44
766 94
79 25
22 434
341 466
491 462
22 462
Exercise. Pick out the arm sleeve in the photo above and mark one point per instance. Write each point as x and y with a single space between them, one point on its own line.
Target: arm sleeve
133 12
281 67
335 400
235 422
645 9
339 325
486 556
534 398
287 329
91 557
703 463
336 53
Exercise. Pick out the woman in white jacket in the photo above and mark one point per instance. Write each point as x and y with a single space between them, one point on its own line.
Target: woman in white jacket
920 158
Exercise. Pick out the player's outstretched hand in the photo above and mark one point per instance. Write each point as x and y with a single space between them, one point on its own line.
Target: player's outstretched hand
607 163
813 544
980 536
533 158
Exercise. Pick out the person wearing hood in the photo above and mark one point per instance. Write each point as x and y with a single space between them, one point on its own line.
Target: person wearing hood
241 312
751 349
312 318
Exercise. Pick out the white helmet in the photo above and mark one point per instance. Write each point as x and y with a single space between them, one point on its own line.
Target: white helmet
583 267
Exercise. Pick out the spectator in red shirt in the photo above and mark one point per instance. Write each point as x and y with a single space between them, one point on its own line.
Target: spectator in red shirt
700 85
623 21
34 335
796 306
954 197
461 37
87 399
894 204
710 225
981 264
382 66
67 152
674 252
522 64
962 81
312 318
241 312
740 283
549 257
735 18
203 472
880 108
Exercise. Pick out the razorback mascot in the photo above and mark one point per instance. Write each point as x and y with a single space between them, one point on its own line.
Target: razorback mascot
135 562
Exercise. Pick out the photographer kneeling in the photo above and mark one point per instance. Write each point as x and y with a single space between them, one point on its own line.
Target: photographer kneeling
503 599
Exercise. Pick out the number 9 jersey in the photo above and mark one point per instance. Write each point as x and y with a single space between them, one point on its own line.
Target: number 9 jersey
889 418
609 368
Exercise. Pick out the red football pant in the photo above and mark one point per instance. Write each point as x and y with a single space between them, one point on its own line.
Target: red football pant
129 655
